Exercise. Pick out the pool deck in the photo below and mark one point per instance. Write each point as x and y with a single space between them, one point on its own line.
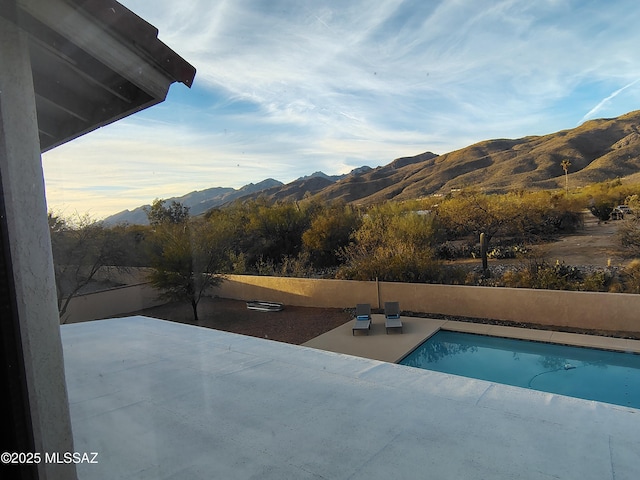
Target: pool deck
392 347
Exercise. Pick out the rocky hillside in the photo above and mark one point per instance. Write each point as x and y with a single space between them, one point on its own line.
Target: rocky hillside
198 202
598 150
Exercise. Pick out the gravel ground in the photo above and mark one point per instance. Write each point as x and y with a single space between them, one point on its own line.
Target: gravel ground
294 325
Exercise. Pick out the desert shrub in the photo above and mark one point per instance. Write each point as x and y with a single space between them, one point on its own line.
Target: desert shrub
504 248
393 244
393 267
525 216
329 231
616 287
539 274
517 279
447 251
561 222
601 209
598 281
631 277
273 231
475 213
629 235
298 266
507 251
265 266
237 263
601 197
472 278
452 275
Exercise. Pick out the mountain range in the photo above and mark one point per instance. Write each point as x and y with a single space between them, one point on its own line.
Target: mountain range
598 150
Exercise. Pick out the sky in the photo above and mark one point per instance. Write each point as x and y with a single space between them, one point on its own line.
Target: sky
285 88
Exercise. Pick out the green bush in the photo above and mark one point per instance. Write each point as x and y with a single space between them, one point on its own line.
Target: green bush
597 281
539 274
601 209
631 276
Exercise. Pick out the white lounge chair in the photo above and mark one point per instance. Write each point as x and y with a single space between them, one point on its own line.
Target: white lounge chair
363 318
392 316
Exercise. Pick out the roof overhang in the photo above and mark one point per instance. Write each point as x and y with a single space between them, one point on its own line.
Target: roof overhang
93 62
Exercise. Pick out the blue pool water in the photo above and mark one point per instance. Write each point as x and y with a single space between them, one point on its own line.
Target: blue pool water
612 377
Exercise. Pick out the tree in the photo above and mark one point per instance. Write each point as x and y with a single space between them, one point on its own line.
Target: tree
187 257
273 232
159 214
330 230
476 213
565 166
391 245
601 197
629 231
81 247
601 208
522 215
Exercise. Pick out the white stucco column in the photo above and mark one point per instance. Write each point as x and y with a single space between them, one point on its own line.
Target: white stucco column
30 250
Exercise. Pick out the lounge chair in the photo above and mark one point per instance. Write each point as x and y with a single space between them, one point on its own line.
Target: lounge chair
363 318
392 316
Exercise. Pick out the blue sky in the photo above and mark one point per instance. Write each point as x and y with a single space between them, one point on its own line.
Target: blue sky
288 87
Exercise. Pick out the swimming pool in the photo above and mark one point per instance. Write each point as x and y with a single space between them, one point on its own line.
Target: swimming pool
605 376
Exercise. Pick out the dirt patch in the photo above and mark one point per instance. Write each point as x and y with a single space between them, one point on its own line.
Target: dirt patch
295 325
597 244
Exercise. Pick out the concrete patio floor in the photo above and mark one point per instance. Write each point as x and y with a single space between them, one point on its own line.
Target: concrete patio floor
392 347
162 400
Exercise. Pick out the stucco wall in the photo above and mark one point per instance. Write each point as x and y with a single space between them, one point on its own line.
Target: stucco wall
600 311
108 303
606 311
299 291
24 213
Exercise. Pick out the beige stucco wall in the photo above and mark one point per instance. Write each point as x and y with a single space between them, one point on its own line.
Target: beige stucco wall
298 291
600 311
124 275
108 303
606 311
593 310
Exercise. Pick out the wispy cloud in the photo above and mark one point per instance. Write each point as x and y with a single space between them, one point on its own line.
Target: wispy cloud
602 103
288 87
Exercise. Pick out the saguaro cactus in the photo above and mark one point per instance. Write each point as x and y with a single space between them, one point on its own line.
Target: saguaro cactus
483 252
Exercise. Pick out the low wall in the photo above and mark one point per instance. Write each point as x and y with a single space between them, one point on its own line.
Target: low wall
591 310
303 292
108 303
123 275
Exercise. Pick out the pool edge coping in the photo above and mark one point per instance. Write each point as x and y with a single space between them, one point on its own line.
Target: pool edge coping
624 345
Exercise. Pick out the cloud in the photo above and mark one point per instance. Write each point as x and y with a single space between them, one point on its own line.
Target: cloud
602 103
284 88
306 64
